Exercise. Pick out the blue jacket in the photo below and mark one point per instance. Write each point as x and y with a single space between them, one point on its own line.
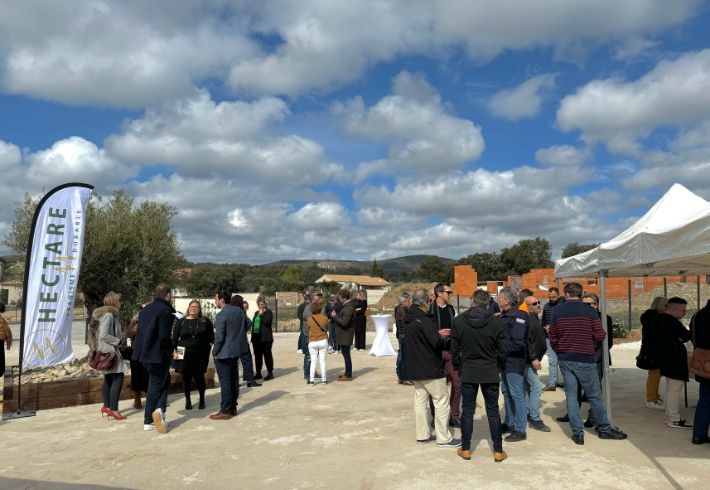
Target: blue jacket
230 338
153 343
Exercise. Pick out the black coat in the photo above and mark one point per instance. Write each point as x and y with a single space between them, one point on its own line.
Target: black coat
400 312
478 346
424 345
700 331
672 354
153 343
537 344
648 356
516 323
196 336
266 333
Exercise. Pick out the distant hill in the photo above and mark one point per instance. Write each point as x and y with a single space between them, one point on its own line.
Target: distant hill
397 265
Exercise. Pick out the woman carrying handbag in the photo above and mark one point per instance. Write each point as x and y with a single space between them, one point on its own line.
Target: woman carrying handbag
104 355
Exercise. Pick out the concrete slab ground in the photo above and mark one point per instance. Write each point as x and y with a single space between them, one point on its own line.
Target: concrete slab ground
357 434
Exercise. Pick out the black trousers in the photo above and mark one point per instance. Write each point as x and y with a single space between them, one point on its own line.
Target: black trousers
360 327
190 372
491 393
262 355
247 365
345 351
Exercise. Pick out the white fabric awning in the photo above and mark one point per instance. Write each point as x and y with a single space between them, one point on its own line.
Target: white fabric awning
673 237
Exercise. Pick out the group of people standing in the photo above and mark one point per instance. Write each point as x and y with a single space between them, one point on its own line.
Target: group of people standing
160 339
329 327
664 354
497 347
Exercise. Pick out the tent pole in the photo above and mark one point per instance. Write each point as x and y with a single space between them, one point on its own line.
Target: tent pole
697 288
606 385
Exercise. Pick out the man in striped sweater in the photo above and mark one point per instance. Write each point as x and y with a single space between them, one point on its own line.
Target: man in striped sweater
574 327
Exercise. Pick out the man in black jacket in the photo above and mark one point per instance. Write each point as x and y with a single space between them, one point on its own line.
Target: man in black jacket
153 346
537 346
673 358
478 350
425 369
443 313
515 323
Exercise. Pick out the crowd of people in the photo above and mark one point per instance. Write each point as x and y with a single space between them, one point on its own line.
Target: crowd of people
495 346
664 355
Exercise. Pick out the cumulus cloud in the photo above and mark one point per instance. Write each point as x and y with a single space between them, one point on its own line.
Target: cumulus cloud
125 54
563 155
413 122
227 137
523 101
76 159
321 216
323 44
618 112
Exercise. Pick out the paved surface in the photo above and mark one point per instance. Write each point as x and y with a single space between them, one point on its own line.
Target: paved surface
342 435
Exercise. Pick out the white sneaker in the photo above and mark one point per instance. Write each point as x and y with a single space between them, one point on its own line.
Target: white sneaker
657 405
147 427
159 421
299 351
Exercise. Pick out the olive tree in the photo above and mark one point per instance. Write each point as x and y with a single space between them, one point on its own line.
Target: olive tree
129 247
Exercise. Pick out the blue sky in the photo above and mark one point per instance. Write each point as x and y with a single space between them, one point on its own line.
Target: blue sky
320 129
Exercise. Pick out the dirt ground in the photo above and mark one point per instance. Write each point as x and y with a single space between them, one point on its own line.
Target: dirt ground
357 434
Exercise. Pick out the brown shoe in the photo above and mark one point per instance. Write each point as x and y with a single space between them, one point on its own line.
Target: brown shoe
498 457
344 378
464 453
220 416
550 388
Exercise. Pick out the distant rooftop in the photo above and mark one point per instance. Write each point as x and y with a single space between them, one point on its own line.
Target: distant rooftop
359 280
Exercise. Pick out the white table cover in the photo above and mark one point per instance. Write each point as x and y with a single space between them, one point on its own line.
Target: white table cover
382 346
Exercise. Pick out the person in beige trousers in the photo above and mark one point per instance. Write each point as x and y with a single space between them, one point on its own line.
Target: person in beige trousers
425 368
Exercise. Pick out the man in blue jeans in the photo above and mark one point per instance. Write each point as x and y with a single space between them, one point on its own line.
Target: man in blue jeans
515 323
153 347
574 328
555 299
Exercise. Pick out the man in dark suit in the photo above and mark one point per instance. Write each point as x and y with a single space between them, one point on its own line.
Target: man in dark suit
230 342
153 347
345 320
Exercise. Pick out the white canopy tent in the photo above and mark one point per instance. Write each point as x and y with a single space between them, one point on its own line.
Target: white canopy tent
673 237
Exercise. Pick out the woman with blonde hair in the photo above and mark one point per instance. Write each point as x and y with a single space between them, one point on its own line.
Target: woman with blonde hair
648 357
193 336
105 336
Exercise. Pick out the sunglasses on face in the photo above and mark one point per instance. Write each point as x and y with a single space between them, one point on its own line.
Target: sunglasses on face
534 304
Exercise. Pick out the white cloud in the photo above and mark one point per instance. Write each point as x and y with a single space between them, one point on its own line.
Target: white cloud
324 44
618 113
228 138
523 101
10 157
321 216
76 159
563 155
419 132
126 54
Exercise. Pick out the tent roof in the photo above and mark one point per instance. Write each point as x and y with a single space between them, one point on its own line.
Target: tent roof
672 237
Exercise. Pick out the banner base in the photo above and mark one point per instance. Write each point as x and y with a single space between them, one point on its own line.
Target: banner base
20 414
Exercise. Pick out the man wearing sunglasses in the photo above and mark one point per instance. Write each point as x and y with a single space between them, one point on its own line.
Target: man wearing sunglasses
537 346
443 313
